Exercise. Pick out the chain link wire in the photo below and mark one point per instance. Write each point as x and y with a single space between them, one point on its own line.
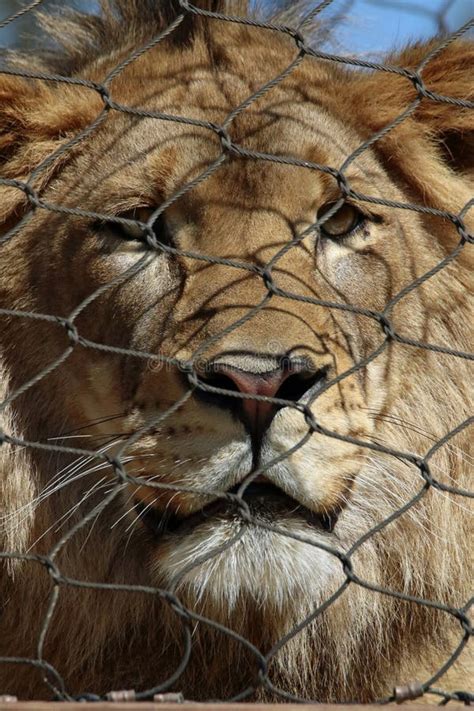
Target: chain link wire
185 616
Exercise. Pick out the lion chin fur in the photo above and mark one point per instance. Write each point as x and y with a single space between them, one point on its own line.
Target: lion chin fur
266 587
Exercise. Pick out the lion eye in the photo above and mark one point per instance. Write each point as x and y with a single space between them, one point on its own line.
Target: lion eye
143 214
131 231
134 232
347 219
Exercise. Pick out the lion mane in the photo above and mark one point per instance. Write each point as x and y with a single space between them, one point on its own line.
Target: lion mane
94 595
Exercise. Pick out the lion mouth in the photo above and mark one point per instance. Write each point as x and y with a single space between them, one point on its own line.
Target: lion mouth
266 502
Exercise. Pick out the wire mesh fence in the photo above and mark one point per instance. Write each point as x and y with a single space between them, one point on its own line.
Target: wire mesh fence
199 541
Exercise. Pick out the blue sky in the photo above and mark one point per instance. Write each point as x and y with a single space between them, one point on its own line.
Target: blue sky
371 27
377 25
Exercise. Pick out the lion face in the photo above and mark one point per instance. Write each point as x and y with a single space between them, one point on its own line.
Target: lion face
251 320
234 350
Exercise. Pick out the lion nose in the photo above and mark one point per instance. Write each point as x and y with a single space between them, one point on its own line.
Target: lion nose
289 382
257 414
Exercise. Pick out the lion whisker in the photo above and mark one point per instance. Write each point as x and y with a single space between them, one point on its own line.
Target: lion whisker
415 427
395 495
137 517
99 421
57 525
135 471
95 519
66 476
433 465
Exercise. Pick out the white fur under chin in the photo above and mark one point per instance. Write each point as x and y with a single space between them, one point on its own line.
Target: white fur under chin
262 568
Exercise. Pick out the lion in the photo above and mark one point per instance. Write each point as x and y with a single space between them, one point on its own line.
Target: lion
233 357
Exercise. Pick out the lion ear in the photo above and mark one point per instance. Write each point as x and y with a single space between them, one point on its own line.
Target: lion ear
36 119
432 150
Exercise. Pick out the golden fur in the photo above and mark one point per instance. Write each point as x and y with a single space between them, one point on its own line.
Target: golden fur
407 398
